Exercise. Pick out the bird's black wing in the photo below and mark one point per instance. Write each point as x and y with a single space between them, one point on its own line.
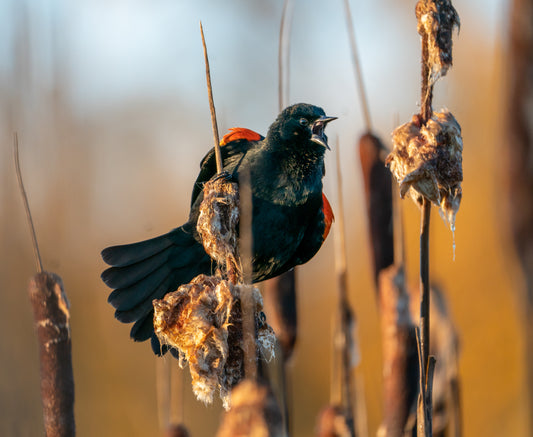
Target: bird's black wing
316 232
232 153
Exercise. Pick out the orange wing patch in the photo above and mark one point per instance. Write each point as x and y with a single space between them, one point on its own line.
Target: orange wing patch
329 218
239 133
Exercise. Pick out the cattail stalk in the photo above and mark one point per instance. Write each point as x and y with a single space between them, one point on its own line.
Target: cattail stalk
344 318
427 162
51 313
245 250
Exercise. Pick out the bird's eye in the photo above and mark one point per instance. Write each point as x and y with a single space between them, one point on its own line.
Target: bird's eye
304 121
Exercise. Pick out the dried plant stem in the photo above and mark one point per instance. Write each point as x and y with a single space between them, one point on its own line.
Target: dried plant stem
177 396
162 375
170 398
245 250
357 67
170 395
424 410
344 343
218 154
426 363
283 56
280 306
426 96
397 224
424 281
36 253
280 292
232 274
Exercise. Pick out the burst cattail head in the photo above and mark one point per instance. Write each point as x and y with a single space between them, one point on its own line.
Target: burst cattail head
436 21
254 412
218 221
427 162
203 321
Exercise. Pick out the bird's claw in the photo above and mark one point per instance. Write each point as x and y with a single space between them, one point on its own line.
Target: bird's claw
224 175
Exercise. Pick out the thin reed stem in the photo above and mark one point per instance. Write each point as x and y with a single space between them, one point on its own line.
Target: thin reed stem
426 95
36 252
424 281
357 66
345 316
283 57
218 154
245 250
426 362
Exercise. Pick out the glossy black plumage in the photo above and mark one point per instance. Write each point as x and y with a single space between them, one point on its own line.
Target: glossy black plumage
289 224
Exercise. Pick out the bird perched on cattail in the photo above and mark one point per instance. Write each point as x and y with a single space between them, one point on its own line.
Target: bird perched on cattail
291 217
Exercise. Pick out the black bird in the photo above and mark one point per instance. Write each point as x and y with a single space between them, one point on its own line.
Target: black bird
290 220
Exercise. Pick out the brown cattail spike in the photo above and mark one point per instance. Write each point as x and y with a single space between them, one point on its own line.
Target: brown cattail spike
378 196
254 412
400 376
52 323
177 430
332 422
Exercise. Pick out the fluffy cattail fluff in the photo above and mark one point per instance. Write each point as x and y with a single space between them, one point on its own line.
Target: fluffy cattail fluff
217 224
427 162
203 321
436 21
254 412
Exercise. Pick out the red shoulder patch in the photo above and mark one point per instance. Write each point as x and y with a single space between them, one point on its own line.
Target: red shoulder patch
329 218
239 133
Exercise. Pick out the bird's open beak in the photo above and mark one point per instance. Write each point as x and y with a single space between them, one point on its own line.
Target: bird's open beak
317 129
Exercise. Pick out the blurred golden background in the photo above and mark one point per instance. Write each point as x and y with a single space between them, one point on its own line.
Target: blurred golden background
109 102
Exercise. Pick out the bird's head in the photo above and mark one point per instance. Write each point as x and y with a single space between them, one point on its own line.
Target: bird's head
301 123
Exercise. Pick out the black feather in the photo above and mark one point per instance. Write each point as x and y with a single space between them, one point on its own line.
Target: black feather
121 277
127 254
143 307
143 328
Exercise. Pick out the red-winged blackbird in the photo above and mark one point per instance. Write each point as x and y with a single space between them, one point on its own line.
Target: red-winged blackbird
290 220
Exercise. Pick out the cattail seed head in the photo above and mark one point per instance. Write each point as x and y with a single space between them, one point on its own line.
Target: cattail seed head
203 321
218 223
436 21
427 162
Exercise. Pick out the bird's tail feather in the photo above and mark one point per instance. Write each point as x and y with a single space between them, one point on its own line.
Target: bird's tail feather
144 271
